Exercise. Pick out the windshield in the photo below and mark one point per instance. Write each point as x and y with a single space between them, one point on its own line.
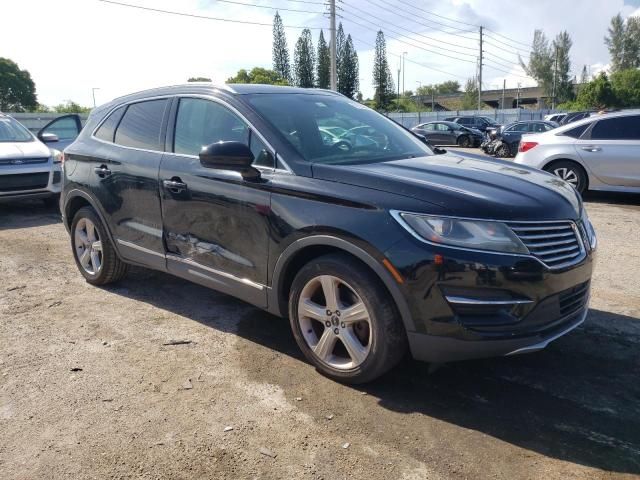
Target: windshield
12 131
331 129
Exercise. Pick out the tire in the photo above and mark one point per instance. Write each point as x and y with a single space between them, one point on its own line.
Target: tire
503 151
570 172
340 347
464 141
103 265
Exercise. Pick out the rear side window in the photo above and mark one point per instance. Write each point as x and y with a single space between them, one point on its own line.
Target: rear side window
576 132
620 128
141 124
108 128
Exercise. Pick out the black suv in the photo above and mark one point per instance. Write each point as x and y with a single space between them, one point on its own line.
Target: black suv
479 123
312 206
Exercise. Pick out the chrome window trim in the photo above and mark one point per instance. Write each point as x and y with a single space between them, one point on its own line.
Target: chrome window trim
396 214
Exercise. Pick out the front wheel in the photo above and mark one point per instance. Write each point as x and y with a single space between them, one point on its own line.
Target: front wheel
570 172
344 320
464 141
93 252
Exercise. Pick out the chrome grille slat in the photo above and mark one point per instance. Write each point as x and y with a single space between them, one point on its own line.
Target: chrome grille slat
556 244
23 161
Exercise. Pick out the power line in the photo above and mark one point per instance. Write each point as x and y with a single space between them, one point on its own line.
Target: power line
269 7
504 71
515 49
528 45
202 17
408 43
441 16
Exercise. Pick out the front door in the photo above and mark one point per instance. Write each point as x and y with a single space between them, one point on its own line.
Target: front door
66 128
215 223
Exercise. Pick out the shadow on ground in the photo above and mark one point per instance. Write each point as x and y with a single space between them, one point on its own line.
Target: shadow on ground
577 401
28 213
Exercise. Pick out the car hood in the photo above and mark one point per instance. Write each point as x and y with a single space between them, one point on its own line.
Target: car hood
23 150
465 187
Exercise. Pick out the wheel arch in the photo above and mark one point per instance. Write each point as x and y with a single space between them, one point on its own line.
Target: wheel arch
549 164
302 251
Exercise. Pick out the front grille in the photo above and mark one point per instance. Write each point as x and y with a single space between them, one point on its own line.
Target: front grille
556 244
574 299
23 161
23 181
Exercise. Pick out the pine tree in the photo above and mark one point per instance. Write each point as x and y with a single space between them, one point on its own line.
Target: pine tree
382 79
323 76
340 46
541 61
470 97
564 87
615 42
281 63
348 73
304 60
632 42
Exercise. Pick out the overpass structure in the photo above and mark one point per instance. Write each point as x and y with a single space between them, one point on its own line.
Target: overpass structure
529 97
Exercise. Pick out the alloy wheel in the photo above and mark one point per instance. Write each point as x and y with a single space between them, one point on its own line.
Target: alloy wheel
334 322
567 175
88 246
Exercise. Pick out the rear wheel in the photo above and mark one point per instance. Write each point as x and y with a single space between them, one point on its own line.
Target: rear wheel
570 172
344 320
464 141
503 151
92 250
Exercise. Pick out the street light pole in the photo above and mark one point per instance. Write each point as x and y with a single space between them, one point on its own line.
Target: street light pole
403 68
93 93
332 46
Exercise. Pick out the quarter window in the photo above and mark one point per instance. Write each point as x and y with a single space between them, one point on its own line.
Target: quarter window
140 127
108 128
576 132
620 128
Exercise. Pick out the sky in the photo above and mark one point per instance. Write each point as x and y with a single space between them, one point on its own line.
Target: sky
71 47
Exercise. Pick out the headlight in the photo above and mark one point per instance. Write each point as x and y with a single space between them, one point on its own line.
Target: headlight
462 233
56 155
588 228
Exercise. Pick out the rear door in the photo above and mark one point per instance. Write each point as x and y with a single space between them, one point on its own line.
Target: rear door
611 150
66 128
215 223
124 177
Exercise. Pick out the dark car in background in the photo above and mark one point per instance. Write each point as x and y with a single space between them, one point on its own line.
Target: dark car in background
478 122
575 116
449 133
510 135
370 248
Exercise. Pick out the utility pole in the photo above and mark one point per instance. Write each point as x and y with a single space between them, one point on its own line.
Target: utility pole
555 74
332 45
518 101
504 86
398 100
480 74
403 64
93 93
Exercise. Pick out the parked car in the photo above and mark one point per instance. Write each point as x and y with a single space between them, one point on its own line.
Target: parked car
597 153
575 116
555 117
30 165
511 134
478 122
449 133
369 250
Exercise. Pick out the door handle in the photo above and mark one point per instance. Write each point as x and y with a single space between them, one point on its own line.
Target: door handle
591 148
175 185
102 171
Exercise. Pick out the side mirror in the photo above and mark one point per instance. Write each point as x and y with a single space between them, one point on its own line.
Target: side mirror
46 137
439 151
234 156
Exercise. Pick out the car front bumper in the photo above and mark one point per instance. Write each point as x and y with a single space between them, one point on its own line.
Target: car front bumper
31 182
466 305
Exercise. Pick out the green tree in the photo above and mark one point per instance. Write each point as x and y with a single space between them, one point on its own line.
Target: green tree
341 41
17 90
598 93
199 79
626 87
450 86
382 79
470 97
280 50
348 75
541 61
564 87
623 42
304 61
323 75
258 75
69 106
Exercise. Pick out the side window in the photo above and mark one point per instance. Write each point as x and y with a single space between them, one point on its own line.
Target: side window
65 128
107 130
441 127
575 132
620 128
430 127
140 127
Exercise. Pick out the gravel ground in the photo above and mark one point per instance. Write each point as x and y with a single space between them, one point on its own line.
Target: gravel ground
89 388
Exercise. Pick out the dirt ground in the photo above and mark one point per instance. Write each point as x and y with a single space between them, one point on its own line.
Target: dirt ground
88 388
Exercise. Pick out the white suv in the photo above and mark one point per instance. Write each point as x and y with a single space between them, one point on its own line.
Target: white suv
28 167
597 153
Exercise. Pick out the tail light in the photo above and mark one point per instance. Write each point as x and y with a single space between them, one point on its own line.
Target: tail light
526 146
